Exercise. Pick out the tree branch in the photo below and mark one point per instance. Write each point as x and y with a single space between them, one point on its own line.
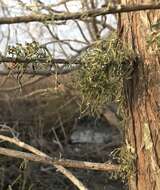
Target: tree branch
32 60
30 82
63 162
59 164
78 15
39 156
44 160
46 72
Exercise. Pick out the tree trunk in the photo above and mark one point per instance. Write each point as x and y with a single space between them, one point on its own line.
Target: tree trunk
143 97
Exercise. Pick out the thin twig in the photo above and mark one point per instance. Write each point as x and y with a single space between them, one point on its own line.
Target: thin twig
57 141
24 85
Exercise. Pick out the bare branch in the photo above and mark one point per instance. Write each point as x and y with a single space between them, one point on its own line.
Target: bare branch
35 93
78 15
63 162
28 60
68 66
59 164
46 72
44 160
40 156
70 176
24 84
22 145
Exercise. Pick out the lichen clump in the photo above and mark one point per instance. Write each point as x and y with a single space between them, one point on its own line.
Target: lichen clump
153 40
28 51
126 159
104 67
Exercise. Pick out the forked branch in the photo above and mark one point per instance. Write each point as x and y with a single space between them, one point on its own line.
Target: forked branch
59 164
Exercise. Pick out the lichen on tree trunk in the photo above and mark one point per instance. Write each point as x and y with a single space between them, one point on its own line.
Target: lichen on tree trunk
143 98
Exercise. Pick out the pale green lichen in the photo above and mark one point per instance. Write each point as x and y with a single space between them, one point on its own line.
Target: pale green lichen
147 137
153 39
31 51
126 159
105 66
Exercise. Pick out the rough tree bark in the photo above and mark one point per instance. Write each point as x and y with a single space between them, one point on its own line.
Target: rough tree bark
143 95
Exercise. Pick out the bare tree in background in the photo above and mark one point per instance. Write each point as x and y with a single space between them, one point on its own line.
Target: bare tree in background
55 36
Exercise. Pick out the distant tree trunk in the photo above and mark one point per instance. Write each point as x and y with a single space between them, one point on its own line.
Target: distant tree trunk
143 97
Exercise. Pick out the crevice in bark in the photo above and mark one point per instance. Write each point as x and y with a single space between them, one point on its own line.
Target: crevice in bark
131 99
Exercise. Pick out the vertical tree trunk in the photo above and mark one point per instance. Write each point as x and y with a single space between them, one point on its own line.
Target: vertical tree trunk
143 97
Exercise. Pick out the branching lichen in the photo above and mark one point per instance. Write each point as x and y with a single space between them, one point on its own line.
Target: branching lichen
126 159
104 68
31 50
